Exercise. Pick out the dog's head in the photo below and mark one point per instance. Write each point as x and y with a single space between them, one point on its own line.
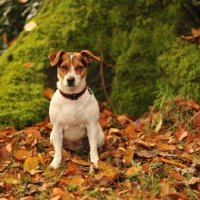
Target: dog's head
72 67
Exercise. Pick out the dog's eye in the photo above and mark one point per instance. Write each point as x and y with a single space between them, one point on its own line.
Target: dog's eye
64 67
79 68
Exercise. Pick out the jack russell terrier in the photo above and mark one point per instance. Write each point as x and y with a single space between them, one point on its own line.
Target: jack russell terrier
74 111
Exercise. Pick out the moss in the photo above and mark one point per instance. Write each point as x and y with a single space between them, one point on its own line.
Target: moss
140 38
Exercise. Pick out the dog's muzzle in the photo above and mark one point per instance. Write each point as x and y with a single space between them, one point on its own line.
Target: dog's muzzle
71 81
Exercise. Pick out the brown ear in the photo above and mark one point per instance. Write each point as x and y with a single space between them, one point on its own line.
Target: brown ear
55 57
88 56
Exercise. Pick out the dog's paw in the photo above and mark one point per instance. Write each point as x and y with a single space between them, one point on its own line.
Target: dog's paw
54 164
95 164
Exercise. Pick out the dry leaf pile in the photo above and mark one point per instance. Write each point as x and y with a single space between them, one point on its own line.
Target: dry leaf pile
154 157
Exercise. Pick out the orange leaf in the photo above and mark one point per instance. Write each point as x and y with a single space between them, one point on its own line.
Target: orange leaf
180 134
172 162
166 147
59 192
48 93
128 156
31 163
28 64
132 171
74 180
130 130
22 154
195 32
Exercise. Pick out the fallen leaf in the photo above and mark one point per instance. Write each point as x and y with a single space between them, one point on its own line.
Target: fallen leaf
172 162
196 120
147 153
130 130
132 171
9 148
30 26
74 180
28 64
128 156
165 147
59 192
79 161
104 155
175 175
166 188
22 154
180 134
31 163
191 102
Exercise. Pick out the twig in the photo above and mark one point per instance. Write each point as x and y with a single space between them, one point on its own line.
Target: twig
102 76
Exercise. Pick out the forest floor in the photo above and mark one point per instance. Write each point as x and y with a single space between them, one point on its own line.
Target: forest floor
153 157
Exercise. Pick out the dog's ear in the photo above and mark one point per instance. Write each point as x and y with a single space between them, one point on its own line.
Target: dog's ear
55 57
88 56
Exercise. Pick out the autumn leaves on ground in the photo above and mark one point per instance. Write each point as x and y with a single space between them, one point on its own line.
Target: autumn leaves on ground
154 157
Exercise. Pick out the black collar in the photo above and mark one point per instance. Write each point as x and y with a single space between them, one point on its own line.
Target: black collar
73 96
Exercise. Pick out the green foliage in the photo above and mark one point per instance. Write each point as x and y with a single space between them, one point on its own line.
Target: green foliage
13 15
140 38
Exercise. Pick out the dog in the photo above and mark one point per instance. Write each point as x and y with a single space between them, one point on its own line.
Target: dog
74 110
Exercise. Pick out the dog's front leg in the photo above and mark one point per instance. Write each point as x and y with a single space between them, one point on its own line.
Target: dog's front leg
92 137
56 139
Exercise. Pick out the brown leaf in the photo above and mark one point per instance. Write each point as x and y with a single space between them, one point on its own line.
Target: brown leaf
177 196
147 153
117 153
166 188
107 175
104 155
31 135
196 120
4 155
79 161
176 175
180 134
22 154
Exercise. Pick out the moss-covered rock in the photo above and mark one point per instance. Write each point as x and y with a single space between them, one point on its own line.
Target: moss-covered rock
140 38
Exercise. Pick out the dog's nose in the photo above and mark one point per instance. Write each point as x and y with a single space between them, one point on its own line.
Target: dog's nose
70 80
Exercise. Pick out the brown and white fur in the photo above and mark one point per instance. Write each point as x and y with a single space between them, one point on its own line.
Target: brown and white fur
74 120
